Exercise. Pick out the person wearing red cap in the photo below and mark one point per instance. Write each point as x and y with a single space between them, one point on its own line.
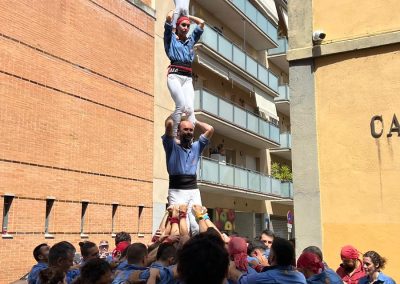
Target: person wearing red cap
237 248
181 8
351 269
314 270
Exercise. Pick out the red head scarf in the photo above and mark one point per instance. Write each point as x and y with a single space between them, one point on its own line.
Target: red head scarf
310 262
181 19
121 247
349 252
237 248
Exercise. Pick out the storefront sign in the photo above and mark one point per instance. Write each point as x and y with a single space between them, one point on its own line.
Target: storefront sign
377 126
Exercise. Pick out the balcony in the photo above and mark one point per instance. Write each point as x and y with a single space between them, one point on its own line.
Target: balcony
283 101
234 121
214 44
221 178
261 33
278 55
285 150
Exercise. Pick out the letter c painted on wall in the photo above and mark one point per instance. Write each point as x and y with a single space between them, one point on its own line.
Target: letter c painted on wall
373 130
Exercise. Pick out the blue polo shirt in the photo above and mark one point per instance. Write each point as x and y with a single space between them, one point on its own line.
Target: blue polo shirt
177 50
382 278
181 161
34 273
326 276
125 270
274 275
166 273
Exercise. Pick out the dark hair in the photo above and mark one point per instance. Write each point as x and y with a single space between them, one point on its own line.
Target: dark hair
60 250
135 253
37 252
256 244
376 259
203 259
122 237
93 270
51 275
315 250
268 233
283 251
165 251
85 246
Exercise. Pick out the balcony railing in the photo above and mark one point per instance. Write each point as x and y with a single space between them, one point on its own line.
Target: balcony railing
287 189
257 18
281 49
214 172
286 140
284 94
234 54
231 113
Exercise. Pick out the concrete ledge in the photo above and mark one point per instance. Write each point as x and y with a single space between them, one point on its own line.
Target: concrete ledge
139 4
344 46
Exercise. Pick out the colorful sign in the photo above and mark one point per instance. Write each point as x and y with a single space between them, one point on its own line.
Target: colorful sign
225 219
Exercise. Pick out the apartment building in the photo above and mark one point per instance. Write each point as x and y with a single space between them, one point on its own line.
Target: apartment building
241 89
345 109
76 125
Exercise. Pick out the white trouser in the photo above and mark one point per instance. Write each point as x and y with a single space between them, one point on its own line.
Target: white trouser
182 92
189 197
181 8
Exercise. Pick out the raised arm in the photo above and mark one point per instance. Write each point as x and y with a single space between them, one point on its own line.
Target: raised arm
206 129
198 21
170 14
168 31
169 123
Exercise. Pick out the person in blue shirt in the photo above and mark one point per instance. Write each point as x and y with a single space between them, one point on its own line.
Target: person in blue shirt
41 255
182 160
314 270
373 263
179 48
136 256
281 271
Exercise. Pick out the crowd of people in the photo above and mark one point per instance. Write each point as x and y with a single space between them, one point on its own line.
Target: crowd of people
174 255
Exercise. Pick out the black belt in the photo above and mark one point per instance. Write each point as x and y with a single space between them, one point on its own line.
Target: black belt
183 181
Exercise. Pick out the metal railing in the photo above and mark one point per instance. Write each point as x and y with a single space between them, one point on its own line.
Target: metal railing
214 172
234 54
232 113
281 49
284 93
257 18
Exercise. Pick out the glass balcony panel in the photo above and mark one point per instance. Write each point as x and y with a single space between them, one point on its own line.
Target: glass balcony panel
286 189
240 117
251 66
197 97
226 174
239 57
209 171
263 74
262 23
272 32
251 12
283 91
241 178
210 37
264 185
252 122
264 128
281 49
274 133
276 186
226 110
210 103
240 4
254 181
273 81
225 48
286 140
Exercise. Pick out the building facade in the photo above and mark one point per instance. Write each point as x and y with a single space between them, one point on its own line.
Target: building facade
76 124
241 89
344 110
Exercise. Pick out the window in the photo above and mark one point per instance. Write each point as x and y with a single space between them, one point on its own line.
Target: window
8 199
85 205
140 212
114 211
49 206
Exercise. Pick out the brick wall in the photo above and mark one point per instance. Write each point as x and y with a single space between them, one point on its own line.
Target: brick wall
76 122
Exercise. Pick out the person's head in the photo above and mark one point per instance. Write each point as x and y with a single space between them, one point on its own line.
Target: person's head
41 253
120 250
103 246
309 264
203 259
89 250
282 252
52 275
61 255
122 237
237 248
267 237
373 262
136 253
95 271
258 250
185 132
182 27
315 250
166 254
349 256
